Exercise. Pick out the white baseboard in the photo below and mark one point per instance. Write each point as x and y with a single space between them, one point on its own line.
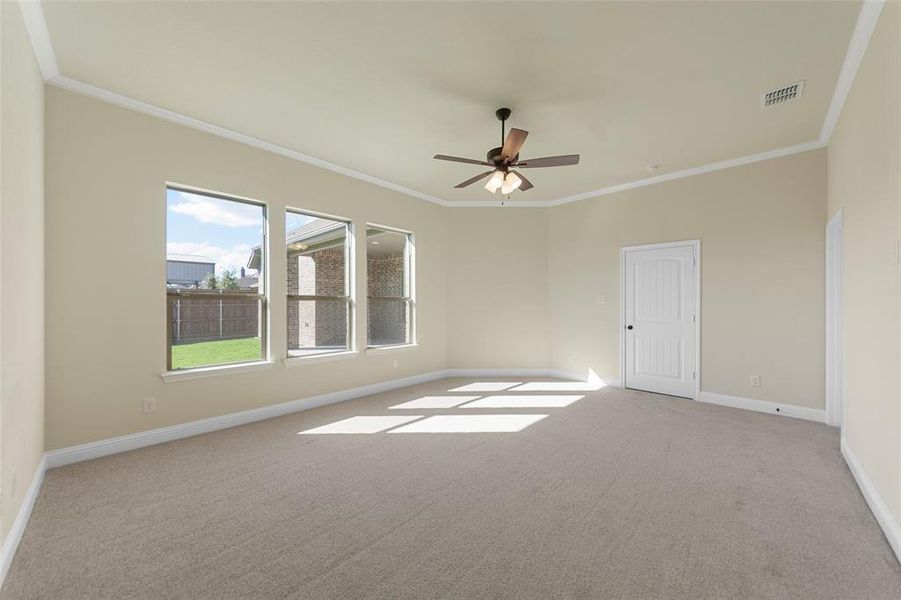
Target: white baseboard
142 439
11 543
773 408
586 377
508 373
90 450
555 373
65 456
883 515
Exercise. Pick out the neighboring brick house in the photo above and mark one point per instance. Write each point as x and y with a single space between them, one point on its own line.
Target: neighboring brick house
316 267
387 318
317 323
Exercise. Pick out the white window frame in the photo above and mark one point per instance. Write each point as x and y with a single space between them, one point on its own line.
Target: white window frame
409 286
349 290
262 296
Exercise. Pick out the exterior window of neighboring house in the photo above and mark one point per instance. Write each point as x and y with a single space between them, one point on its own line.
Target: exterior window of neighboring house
215 296
391 289
320 306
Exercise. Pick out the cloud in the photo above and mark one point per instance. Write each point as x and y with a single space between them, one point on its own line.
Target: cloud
216 211
225 258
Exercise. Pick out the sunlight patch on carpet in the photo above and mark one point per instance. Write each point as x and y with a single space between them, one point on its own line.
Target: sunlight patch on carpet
361 425
486 386
523 401
435 402
470 424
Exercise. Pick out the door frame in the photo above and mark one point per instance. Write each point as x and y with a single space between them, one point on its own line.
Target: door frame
696 249
835 358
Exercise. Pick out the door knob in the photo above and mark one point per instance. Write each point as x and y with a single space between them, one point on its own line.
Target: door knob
628 327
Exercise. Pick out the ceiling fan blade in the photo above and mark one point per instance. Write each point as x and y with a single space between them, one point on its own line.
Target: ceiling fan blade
472 180
515 139
548 161
526 184
468 161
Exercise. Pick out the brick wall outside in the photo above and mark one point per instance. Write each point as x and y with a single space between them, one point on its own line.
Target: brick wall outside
317 323
387 318
293 320
323 323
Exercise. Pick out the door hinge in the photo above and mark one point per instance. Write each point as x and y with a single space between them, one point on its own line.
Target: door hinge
694 374
694 318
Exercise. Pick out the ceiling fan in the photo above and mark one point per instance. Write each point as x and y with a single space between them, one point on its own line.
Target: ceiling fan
503 159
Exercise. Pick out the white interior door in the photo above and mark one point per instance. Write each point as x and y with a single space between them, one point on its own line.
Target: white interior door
660 320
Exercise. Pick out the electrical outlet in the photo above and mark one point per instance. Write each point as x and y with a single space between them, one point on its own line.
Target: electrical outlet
754 380
602 299
149 405
395 364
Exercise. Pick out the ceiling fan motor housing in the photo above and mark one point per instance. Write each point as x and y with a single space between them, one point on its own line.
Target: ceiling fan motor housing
503 161
494 156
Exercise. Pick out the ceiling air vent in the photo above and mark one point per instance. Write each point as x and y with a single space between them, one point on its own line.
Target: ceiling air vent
782 95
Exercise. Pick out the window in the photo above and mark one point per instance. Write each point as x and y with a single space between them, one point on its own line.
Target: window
389 276
215 291
319 299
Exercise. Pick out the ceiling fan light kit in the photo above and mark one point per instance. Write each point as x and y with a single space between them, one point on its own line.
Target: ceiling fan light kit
495 181
511 182
505 158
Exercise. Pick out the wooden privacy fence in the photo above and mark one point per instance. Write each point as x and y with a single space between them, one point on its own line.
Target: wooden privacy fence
203 315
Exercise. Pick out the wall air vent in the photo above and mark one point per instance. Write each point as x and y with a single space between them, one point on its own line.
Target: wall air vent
782 95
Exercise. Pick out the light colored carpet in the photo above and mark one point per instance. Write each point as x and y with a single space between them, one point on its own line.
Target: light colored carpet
618 495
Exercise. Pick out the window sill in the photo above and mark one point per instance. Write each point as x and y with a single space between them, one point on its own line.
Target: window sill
202 372
392 348
296 361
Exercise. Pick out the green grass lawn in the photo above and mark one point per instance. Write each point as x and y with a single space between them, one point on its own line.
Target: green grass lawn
219 352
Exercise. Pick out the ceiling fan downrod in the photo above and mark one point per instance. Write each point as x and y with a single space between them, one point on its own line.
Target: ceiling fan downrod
502 115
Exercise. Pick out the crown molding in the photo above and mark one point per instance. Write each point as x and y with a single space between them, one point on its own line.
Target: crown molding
708 168
857 48
36 26
33 14
86 89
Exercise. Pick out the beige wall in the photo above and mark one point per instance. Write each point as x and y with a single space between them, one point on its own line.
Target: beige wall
106 215
761 228
21 262
865 183
497 288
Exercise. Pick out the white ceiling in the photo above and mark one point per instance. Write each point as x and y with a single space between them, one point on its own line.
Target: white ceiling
381 87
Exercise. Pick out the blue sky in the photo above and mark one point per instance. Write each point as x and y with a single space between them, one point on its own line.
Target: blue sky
222 230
